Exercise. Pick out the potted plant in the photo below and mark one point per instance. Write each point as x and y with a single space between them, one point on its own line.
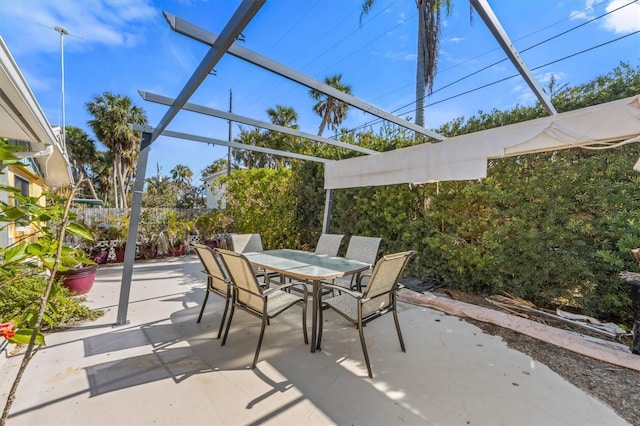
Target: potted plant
152 234
115 231
80 279
177 232
213 226
95 249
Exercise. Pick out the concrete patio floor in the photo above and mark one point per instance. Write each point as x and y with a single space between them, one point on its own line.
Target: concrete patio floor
163 368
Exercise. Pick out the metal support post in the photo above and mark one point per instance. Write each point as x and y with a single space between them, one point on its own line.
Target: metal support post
134 222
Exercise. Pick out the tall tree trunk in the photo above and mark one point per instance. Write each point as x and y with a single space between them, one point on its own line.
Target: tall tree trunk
128 177
116 204
420 78
123 199
323 123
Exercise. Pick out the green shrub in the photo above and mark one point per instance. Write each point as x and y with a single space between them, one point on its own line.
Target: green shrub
23 297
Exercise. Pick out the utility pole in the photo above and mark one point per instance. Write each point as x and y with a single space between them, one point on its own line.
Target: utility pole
63 32
230 136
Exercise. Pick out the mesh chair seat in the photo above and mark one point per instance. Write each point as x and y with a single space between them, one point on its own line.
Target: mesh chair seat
345 304
278 301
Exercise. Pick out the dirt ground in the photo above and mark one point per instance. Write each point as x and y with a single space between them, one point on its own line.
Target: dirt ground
618 387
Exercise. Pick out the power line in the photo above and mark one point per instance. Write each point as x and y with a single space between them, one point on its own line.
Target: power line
332 47
504 59
490 51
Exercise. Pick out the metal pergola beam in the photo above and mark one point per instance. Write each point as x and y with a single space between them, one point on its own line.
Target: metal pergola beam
190 30
159 99
241 17
213 141
492 22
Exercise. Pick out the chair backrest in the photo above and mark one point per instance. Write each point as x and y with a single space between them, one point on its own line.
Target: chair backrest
384 277
241 274
213 267
243 243
364 249
329 244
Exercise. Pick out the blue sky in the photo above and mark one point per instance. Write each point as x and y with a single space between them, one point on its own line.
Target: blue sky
124 46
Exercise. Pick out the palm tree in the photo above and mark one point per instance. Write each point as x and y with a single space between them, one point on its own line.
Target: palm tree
159 191
216 166
112 116
101 175
332 111
82 151
182 174
286 117
428 38
283 116
280 115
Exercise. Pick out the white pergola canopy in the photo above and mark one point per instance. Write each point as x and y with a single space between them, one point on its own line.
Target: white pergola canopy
465 157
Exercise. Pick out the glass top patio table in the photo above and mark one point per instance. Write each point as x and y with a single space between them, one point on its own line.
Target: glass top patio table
308 266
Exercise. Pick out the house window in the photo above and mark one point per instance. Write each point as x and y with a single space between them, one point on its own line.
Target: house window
23 186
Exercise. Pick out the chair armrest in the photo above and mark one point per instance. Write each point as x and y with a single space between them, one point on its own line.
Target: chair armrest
363 275
352 293
284 286
360 277
394 289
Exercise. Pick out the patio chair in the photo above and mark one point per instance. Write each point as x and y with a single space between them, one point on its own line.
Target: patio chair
329 244
217 281
364 249
378 298
243 243
249 296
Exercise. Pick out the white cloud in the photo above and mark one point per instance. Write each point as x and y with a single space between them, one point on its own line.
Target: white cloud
625 20
522 94
456 39
109 22
586 13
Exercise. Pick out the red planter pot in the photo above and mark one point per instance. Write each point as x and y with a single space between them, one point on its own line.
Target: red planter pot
119 254
79 281
177 250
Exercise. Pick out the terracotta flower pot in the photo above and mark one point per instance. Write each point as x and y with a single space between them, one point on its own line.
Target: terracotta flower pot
79 281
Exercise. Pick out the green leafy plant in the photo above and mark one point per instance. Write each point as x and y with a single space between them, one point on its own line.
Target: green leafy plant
40 254
177 230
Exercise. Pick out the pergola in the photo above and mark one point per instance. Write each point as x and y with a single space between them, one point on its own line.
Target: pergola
446 160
